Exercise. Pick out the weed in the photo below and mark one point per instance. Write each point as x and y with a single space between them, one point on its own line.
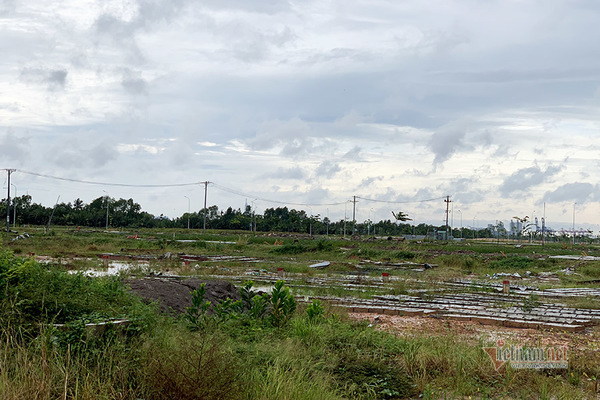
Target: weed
513 262
530 303
191 367
324 245
315 311
293 248
403 255
283 304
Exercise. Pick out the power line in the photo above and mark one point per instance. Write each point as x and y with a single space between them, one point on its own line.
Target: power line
107 183
400 202
220 187
233 191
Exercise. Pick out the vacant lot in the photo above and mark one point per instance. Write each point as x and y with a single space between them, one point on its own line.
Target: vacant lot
364 318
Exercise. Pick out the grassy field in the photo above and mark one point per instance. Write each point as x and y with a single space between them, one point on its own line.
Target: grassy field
271 348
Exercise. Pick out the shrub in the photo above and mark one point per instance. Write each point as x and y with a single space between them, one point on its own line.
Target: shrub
283 304
404 255
293 248
188 367
315 311
196 315
33 293
512 262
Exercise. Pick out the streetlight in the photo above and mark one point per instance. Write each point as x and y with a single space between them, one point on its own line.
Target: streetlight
253 220
14 207
574 224
346 214
188 211
107 197
461 225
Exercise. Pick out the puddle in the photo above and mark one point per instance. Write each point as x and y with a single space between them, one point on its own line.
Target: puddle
114 268
206 241
584 258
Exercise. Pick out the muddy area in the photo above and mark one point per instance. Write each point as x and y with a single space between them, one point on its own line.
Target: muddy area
174 295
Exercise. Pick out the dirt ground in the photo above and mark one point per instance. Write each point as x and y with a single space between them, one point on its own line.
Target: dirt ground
407 326
173 296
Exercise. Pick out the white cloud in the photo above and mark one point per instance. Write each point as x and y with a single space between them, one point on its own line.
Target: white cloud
431 98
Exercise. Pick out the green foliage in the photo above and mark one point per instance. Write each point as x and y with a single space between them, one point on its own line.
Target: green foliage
197 314
403 255
291 248
366 253
227 309
512 262
247 294
190 367
371 377
324 245
530 303
315 311
255 305
260 306
283 304
31 293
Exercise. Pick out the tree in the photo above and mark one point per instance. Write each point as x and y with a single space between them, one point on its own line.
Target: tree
401 216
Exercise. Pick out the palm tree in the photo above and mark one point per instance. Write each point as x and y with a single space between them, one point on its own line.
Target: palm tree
401 216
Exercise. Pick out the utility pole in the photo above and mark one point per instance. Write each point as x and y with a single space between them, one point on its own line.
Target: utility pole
188 199
354 216
447 201
15 210
205 210
573 224
544 225
8 171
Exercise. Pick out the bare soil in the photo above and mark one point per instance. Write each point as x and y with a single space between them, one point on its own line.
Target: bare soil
174 295
427 326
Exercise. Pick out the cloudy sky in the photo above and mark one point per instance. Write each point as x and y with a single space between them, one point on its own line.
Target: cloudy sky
495 103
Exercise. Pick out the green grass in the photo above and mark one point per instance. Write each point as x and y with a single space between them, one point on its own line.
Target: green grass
325 358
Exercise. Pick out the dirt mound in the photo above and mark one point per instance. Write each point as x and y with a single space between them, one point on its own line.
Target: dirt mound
173 295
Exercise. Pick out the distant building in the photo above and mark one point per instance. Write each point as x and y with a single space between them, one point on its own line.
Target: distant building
516 227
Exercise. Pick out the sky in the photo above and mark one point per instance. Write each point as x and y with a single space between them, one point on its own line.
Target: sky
306 104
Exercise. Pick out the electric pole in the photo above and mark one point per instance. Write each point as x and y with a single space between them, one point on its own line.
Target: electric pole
354 215
447 201
205 210
8 171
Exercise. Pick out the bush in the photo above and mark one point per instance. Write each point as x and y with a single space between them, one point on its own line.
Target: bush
315 311
512 262
31 293
188 367
404 255
283 304
293 248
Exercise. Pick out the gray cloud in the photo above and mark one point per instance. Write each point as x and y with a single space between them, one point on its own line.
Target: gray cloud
370 180
578 191
77 152
269 82
445 142
327 169
526 178
13 147
53 78
134 84
287 173
353 154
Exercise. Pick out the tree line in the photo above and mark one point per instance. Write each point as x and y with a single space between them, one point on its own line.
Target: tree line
126 213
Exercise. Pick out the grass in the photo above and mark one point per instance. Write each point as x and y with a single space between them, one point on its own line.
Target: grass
330 357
